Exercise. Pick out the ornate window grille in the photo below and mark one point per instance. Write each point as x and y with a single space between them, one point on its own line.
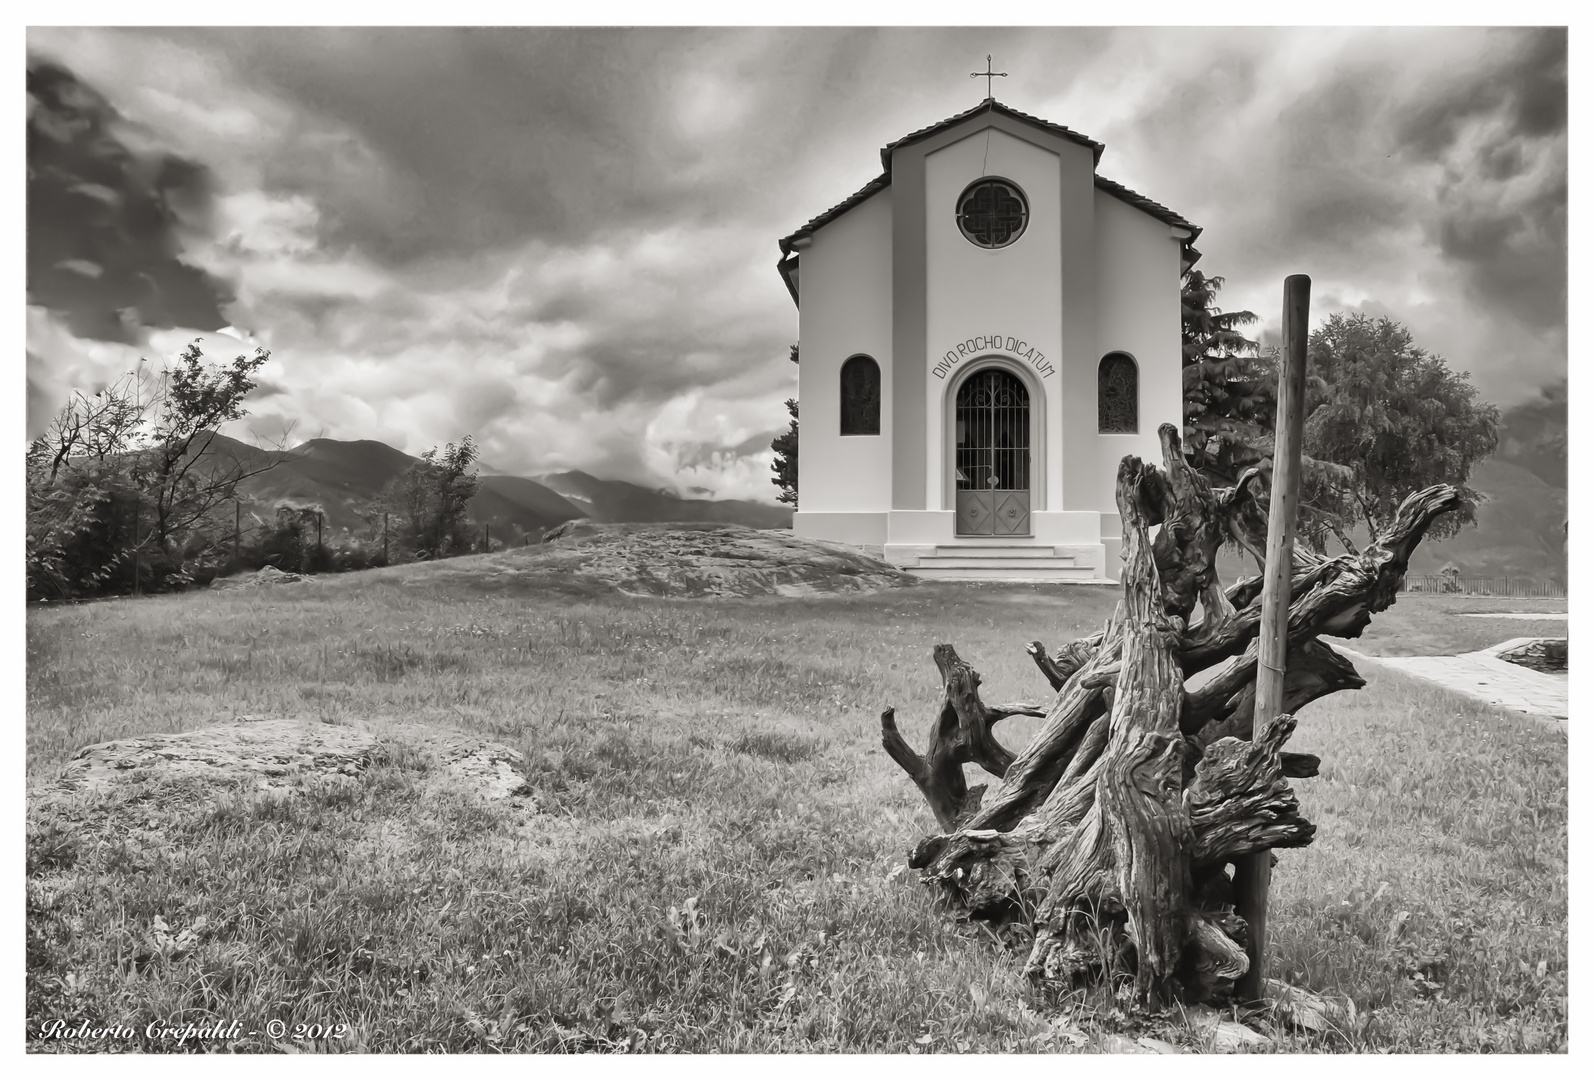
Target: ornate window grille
992 213
860 396
993 432
1118 395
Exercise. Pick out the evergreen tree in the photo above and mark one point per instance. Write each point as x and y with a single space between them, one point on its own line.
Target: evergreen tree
1228 388
785 447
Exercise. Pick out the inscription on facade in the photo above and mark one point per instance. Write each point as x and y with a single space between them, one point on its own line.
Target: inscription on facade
986 344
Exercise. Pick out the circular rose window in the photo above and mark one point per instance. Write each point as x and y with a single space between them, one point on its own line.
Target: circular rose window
992 213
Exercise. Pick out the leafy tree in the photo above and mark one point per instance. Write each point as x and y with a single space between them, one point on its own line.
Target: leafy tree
432 500
1384 418
1228 389
186 480
785 447
132 478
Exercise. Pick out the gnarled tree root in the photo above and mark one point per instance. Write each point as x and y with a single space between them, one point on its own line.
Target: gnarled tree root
1110 834
961 733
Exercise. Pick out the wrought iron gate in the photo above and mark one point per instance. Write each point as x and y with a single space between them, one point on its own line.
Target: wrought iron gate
993 455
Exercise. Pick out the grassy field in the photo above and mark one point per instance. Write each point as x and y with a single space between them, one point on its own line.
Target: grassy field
716 863
1424 624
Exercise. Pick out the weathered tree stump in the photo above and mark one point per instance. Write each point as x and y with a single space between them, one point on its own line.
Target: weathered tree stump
1113 833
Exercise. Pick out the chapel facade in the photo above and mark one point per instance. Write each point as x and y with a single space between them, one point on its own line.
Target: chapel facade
986 329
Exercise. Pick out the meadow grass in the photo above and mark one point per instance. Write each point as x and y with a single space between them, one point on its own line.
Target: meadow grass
716 858
1427 624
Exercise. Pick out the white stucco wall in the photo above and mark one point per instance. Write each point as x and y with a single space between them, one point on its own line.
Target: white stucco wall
993 302
1119 291
1137 260
845 310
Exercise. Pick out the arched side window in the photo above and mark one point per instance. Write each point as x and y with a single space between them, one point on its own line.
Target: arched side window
1118 395
860 396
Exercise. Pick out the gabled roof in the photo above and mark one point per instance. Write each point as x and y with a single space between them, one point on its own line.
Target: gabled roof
993 106
883 181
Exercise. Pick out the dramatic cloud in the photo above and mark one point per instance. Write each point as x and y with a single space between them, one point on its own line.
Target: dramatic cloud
562 241
105 221
1420 174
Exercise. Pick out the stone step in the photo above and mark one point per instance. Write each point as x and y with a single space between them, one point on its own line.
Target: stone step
1010 570
1012 562
995 551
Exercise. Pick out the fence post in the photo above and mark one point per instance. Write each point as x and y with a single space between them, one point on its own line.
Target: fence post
384 538
1253 873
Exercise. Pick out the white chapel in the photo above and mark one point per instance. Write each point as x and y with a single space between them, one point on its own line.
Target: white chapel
986 329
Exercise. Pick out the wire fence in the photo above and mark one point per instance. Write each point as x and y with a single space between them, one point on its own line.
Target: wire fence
1454 585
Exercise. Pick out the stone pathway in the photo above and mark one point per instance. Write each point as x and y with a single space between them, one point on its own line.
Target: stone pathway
1484 676
1539 615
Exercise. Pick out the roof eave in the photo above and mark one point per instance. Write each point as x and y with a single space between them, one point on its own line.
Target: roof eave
873 187
1147 205
786 267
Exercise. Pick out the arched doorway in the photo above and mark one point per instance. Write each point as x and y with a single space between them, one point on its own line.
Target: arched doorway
992 459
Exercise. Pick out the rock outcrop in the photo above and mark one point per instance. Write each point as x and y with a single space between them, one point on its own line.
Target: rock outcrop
286 753
680 559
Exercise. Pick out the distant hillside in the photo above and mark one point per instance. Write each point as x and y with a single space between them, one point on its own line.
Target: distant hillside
1519 529
1533 435
337 476
346 478
508 503
618 501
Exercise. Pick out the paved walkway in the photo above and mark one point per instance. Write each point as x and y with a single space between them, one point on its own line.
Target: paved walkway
1485 677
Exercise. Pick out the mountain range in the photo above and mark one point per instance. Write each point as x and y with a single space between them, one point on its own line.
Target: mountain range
1520 527
345 479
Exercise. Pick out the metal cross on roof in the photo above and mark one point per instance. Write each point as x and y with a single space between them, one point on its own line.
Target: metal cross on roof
988 74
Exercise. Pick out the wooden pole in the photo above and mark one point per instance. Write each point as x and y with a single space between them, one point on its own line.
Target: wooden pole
384 538
1253 873
237 517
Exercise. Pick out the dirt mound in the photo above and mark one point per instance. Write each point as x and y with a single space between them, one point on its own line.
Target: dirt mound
289 753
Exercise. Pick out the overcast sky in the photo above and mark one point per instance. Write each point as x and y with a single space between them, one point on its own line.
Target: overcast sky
563 241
